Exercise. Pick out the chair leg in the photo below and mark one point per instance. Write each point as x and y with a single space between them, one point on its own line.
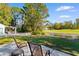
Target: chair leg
47 53
23 53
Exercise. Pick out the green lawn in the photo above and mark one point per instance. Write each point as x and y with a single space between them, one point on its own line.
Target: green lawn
66 31
5 40
64 45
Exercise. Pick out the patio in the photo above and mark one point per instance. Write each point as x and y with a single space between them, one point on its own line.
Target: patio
6 49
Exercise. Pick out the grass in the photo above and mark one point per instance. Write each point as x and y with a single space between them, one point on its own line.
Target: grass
64 45
66 31
5 40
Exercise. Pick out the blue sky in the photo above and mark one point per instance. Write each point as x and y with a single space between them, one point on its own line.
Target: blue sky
59 12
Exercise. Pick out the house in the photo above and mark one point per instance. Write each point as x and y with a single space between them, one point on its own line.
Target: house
2 29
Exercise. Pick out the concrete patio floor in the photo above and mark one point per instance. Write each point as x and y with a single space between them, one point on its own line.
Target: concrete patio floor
6 49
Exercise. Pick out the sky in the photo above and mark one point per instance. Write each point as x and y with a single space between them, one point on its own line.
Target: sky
59 12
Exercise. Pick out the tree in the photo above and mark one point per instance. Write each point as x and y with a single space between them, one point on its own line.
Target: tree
34 16
67 25
58 26
74 26
5 14
77 22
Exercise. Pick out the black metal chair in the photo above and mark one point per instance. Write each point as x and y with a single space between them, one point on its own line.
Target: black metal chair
36 50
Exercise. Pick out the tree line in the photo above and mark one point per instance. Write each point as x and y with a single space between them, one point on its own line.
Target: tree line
30 18
65 25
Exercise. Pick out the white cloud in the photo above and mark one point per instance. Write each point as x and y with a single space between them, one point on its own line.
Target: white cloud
62 8
64 16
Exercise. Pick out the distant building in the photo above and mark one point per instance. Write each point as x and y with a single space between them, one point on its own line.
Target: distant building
19 20
2 29
77 20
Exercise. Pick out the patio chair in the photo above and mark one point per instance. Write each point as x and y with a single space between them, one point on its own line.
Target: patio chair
19 51
36 50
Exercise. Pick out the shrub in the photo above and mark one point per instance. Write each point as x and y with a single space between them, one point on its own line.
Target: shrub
38 33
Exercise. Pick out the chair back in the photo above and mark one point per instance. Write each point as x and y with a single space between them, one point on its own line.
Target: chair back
35 49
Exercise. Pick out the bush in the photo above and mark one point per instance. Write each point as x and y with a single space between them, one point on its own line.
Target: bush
38 33
21 30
